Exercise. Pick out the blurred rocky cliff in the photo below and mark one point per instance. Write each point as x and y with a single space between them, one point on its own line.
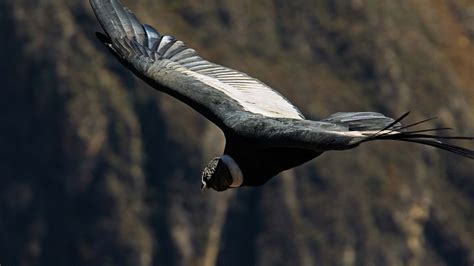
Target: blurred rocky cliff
99 169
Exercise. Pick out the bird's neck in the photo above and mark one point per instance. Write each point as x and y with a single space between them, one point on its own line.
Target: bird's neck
234 169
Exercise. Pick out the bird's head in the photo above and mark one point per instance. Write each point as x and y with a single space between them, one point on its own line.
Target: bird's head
221 173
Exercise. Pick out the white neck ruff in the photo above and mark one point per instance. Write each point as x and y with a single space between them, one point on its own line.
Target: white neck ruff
237 177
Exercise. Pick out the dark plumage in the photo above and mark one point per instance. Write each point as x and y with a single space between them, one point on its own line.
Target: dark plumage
265 133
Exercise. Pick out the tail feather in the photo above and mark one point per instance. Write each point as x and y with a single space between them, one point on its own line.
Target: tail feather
418 136
440 145
417 123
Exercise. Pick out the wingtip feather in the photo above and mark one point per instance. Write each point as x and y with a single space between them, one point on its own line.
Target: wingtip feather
417 136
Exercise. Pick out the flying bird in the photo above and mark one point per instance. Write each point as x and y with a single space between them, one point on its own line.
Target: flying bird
265 133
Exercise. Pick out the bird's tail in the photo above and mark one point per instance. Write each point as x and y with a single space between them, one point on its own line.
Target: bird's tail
426 136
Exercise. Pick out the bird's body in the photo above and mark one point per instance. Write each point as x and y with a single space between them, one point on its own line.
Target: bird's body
260 165
265 133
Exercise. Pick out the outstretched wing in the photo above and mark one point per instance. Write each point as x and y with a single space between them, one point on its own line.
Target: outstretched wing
169 65
347 130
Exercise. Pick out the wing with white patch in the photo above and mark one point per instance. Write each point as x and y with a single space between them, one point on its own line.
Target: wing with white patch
169 65
253 95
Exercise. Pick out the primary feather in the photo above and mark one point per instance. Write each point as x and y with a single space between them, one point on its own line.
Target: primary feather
132 40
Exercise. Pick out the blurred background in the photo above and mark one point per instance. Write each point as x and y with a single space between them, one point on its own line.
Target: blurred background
99 169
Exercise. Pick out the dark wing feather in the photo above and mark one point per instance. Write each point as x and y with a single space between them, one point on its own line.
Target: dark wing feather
169 65
324 136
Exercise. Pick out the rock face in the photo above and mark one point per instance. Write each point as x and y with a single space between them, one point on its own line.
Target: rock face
99 169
